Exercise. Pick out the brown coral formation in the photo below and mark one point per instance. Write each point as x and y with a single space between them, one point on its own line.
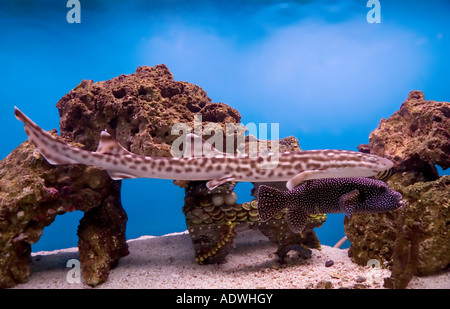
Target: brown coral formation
214 218
414 240
416 137
139 110
428 203
213 223
33 193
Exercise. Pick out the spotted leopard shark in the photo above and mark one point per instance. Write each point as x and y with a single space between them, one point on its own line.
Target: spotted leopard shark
214 166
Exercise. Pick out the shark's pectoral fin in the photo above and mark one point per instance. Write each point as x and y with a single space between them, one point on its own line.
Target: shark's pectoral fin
348 201
214 183
120 175
296 219
297 179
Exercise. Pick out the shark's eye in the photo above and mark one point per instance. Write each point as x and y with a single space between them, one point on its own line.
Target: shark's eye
382 189
372 159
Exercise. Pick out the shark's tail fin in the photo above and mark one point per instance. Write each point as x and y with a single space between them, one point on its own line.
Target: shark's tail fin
59 152
52 149
271 202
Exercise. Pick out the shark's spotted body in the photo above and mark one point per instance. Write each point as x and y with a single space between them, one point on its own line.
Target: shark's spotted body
332 195
215 167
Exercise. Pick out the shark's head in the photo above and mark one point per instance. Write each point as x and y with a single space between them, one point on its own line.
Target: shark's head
353 164
371 165
376 162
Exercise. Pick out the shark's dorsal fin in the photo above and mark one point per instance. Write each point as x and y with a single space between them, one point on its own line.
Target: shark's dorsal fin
195 146
108 145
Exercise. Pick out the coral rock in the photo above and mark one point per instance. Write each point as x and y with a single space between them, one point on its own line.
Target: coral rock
102 239
428 203
413 240
213 221
416 137
33 193
139 110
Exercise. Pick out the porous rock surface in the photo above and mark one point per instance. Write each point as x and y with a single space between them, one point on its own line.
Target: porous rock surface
214 218
428 203
139 110
416 137
413 240
33 193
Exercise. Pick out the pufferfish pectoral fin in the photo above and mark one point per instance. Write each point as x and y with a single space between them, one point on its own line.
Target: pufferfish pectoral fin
296 219
348 202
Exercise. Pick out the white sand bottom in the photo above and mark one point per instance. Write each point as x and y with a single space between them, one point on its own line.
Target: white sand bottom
168 262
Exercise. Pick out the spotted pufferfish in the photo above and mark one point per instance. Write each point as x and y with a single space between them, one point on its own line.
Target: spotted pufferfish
328 195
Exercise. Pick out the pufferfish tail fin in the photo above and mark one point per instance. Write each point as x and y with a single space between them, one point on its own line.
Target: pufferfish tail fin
271 202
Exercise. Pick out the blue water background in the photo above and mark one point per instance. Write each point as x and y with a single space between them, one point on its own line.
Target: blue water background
317 68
